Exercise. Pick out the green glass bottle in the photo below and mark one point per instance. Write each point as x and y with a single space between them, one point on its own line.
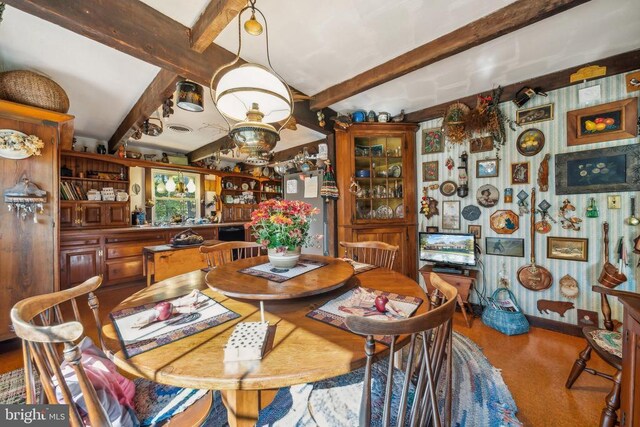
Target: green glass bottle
592 209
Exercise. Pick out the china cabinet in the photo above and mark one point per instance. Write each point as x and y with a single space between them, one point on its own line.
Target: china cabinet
376 178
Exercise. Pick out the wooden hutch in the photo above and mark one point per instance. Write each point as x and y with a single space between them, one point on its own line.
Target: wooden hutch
377 181
28 249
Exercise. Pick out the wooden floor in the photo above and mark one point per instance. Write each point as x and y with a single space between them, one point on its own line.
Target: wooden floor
534 366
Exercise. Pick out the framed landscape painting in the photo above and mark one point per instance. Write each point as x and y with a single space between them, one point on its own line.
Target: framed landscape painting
535 114
603 170
504 246
568 248
605 122
432 141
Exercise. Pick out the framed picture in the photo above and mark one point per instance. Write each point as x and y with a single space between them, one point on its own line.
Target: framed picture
605 122
451 215
568 248
479 145
504 246
520 173
541 113
487 168
603 170
587 318
432 141
476 230
504 222
530 142
430 171
432 229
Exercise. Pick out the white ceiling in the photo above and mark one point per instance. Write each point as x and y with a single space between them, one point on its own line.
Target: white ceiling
314 46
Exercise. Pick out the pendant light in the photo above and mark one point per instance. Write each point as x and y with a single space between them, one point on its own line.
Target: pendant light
190 96
252 95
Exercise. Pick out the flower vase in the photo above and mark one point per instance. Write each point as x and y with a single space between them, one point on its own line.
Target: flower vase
283 257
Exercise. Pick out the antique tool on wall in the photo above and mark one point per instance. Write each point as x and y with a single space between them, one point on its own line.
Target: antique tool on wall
463 187
543 173
532 276
610 276
633 220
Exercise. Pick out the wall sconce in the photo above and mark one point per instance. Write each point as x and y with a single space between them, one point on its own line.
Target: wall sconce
25 198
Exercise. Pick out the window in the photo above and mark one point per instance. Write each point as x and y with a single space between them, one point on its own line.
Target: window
175 194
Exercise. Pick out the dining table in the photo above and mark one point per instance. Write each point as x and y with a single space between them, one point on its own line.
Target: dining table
299 349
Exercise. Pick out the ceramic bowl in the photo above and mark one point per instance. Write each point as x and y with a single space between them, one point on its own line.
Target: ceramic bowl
363 173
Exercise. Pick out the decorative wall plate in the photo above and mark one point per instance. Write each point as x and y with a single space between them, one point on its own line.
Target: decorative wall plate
384 212
448 188
569 286
487 196
13 154
471 212
530 142
504 222
400 211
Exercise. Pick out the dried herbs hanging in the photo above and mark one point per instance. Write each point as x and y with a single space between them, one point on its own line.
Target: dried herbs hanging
453 125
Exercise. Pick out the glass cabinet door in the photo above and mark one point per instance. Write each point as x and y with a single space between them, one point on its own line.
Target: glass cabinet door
379 175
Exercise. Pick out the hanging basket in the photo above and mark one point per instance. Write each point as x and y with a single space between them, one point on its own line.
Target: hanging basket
29 88
454 123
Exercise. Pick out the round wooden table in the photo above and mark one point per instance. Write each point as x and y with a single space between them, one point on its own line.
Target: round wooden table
228 280
302 349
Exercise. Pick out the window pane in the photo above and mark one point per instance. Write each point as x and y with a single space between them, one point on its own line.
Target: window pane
175 195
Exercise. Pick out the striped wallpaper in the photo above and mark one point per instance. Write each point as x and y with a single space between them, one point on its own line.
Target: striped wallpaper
586 273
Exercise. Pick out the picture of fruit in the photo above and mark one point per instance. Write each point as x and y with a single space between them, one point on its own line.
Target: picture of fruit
601 126
599 120
595 124
589 125
609 121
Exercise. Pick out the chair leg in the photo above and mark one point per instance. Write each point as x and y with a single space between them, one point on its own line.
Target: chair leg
578 366
609 418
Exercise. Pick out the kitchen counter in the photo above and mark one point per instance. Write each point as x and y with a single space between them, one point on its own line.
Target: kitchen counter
134 228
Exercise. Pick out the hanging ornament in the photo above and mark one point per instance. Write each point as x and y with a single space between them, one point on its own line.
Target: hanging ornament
429 205
569 287
568 218
544 226
449 164
523 205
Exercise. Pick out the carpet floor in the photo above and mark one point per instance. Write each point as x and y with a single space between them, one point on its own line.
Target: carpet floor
481 398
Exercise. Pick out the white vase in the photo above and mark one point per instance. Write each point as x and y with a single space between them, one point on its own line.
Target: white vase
283 258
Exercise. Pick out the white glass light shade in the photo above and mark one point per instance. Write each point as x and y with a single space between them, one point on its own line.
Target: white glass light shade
170 185
250 84
161 188
191 186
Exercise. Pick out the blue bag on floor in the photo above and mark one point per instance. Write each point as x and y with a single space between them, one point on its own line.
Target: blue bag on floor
504 315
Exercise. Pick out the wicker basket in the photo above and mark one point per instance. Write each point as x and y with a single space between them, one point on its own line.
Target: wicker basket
29 88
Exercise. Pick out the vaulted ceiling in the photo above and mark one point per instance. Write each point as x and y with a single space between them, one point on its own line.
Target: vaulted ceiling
316 46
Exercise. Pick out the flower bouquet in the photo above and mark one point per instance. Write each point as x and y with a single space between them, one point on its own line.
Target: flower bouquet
282 226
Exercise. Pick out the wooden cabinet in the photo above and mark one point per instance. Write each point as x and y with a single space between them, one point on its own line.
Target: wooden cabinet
74 214
376 177
237 213
115 254
630 405
29 251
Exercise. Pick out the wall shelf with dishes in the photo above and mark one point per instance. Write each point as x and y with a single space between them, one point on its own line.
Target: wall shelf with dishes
241 194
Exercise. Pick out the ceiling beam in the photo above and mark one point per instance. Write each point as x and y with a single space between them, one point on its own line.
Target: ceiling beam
134 28
160 88
617 64
215 17
210 23
209 149
515 16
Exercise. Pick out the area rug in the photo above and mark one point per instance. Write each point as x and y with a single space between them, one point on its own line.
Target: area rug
481 398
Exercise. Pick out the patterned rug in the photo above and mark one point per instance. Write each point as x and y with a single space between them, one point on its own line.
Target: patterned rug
481 398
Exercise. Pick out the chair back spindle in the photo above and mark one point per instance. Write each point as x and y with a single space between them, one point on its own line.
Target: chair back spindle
226 252
430 352
380 254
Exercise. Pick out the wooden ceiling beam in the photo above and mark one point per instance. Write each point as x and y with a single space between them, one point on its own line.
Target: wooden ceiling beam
215 17
160 88
515 16
617 64
210 23
134 28
209 149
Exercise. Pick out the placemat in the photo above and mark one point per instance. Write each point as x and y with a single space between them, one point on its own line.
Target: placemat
134 340
331 314
279 275
359 267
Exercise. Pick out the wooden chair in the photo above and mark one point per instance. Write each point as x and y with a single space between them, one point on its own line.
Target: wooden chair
225 252
375 253
39 322
430 351
608 418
